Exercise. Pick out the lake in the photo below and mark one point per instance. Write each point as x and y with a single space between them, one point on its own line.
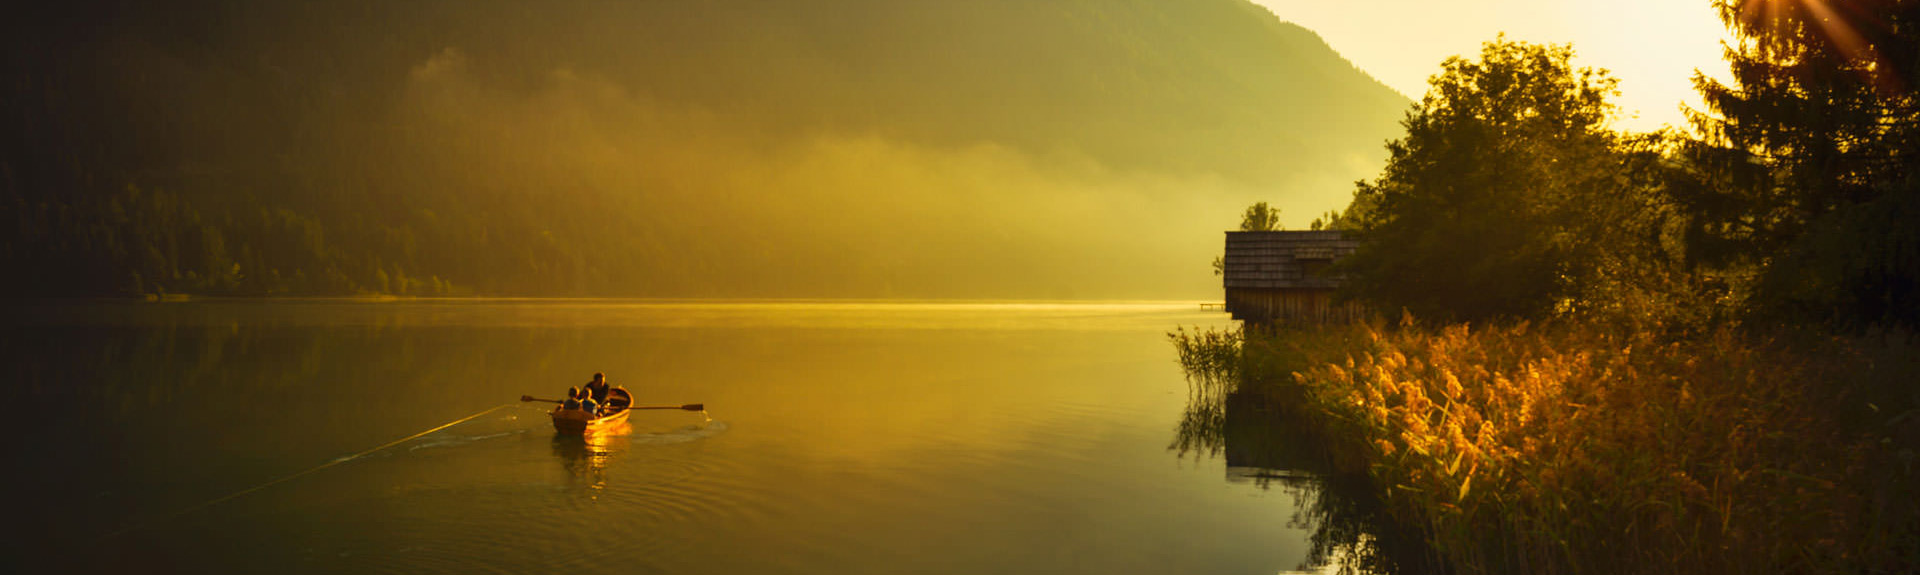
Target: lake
839 437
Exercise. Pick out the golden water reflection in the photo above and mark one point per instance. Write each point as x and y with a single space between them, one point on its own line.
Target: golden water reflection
585 457
871 439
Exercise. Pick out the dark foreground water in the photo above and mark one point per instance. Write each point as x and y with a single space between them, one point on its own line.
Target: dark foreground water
839 438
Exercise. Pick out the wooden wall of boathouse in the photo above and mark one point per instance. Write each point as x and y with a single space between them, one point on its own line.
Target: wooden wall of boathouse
1285 277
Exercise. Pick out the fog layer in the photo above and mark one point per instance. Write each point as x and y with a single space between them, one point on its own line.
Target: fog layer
844 148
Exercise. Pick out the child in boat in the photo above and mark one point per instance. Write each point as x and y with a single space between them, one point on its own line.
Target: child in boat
573 399
588 403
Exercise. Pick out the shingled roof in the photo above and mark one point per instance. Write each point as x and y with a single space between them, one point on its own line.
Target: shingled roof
1277 260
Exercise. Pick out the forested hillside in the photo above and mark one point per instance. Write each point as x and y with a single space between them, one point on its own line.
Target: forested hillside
859 148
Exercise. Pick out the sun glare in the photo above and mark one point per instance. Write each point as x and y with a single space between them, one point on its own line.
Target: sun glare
1653 46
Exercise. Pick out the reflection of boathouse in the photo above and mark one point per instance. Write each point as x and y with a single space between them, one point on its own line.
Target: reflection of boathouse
1258 445
1284 277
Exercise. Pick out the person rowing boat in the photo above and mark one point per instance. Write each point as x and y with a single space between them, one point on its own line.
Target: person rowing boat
587 415
599 387
597 406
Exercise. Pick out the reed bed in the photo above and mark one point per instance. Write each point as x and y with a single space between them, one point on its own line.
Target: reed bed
1569 449
1211 359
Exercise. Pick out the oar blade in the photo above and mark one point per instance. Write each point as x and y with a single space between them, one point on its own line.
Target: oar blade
694 407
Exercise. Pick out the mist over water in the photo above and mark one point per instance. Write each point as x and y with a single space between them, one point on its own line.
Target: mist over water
852 148
721 149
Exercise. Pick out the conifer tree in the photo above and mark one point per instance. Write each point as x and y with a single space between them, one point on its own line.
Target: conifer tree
1807 158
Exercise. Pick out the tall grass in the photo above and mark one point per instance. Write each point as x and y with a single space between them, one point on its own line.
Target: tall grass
1574 449
1211 356
1211 360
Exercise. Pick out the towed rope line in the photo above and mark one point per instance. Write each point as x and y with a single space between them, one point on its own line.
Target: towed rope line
236 494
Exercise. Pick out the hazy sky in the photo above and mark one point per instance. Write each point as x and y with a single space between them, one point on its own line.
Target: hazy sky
1653 46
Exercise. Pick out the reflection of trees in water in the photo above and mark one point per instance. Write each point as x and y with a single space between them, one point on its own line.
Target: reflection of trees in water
144 357
1250 425
1211 360
1203 424
140 410
223 383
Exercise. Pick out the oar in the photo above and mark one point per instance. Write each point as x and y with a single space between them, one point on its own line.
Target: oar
688 407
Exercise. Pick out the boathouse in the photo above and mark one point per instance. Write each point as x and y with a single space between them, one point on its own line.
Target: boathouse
1284 277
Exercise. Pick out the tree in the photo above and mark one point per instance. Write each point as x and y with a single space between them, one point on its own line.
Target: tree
1332 220
1260 218
1806 160
1496 201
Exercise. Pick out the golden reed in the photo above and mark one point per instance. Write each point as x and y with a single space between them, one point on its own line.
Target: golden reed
1568 449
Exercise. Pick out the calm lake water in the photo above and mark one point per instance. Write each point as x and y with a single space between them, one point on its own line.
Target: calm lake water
838 438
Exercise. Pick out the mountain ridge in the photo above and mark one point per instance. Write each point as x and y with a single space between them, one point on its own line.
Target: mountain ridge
729 148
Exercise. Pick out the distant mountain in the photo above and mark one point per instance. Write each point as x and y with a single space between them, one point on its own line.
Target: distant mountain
834 148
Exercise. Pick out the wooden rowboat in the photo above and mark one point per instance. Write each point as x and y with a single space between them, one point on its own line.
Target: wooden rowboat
579 422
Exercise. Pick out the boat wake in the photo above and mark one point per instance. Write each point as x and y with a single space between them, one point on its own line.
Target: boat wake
458 440
682 435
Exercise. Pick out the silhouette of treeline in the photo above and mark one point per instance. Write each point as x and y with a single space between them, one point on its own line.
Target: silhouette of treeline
1793 196
657 148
